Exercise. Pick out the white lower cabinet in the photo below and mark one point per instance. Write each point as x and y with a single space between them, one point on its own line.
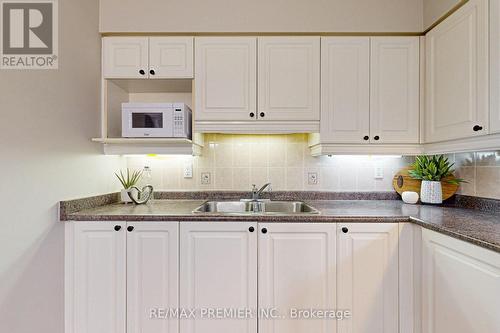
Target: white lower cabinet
297 271
218 270
152 276
461 286
116 273
367 277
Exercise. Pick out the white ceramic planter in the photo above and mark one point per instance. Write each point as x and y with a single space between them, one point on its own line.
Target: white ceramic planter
410 197
431 192
124 196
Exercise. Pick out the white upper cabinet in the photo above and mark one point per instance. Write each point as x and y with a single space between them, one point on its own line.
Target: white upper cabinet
297 270
494 66
96 279
461 286
226 74
147 57
170 57
152 275
457 75
368 275
125 57
289 78
218 270
394 90
345 89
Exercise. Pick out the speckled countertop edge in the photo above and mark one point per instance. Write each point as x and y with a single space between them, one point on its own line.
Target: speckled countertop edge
72 208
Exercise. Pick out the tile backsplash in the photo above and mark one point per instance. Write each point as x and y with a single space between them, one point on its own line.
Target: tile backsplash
234 162
482 172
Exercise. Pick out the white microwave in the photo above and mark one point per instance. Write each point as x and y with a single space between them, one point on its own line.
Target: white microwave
158 120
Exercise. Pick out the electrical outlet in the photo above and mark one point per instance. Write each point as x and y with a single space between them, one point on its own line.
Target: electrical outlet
312 178
379 172
205 178
188 170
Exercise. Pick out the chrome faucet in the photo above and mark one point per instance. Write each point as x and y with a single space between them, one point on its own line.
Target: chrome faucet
256 193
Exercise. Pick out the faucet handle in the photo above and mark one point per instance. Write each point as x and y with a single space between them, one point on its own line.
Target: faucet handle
254 188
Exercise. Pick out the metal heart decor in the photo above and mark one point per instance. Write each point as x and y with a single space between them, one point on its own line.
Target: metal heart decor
143 195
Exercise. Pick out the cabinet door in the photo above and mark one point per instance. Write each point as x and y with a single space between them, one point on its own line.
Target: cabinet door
226 73
152 276
125 57
457 75
394 90
367 262
494 41
289 78
97 279
170 57
218 270
345 89
461 284
296 271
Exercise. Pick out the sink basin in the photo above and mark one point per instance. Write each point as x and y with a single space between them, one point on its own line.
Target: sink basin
256 207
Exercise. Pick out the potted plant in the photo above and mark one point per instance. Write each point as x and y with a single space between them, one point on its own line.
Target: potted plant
431 170
128 181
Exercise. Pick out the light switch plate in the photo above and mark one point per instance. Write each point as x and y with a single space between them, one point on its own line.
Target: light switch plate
188 170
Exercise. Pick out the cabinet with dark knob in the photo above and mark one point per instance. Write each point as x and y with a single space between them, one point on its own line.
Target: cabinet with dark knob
118 227
477 128
142 72
376 137
262 114
251 229
264 230
366 138
152 72
345 230
252 114
130 228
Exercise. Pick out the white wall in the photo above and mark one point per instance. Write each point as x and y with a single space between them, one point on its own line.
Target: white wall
434 9
261 16
46 121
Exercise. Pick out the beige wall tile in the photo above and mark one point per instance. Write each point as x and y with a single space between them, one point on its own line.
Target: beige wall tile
241 179
294 178
259 176
488 182
329 179
277 176
223 179
295 155
223 155
468 174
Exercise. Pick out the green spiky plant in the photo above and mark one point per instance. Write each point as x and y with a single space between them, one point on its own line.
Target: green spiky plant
129 179
433 168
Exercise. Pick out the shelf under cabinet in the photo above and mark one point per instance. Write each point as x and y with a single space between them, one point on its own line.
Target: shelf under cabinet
142 146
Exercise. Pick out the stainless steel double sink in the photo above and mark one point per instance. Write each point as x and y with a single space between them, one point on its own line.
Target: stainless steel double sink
256 207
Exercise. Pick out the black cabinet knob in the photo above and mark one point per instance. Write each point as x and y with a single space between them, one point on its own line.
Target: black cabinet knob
376 137
345 230
252 114
366 138
152 72
477 128
264 230
118 227
262 114
251 229
142 72
130 228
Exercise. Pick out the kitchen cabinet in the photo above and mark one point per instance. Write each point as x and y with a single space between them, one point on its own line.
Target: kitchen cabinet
152 275
297 270
456 89
226 74
218 270
461 284
494 40
116 272
345 89
367 276
394 90
96 277
147 57
289 78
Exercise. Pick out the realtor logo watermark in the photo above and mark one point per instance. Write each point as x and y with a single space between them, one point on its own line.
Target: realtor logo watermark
29 34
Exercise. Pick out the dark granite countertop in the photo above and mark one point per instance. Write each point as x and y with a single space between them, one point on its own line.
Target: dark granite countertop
478 227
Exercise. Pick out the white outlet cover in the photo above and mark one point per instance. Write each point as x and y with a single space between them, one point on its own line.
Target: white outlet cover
312 178
205 178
